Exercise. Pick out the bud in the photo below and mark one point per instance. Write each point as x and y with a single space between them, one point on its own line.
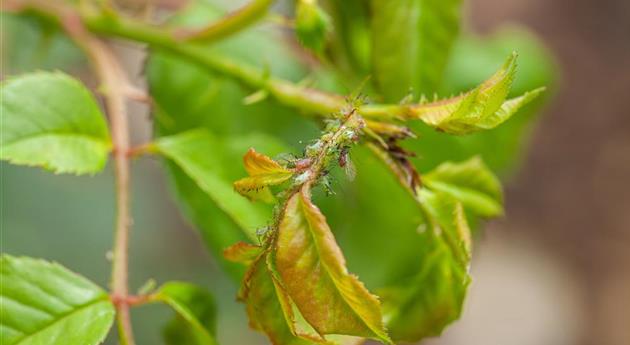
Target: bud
311 25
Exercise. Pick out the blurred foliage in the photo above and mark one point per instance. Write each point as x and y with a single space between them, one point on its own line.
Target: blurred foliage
31 43
372 217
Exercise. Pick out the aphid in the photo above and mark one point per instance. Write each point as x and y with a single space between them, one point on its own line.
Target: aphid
343 157
313 149
303 177
350 170
346 163
285 158
302 164
260 232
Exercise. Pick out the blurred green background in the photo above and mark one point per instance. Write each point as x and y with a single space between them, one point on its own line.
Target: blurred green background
554 271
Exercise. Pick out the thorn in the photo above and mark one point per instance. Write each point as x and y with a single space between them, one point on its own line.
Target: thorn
136 94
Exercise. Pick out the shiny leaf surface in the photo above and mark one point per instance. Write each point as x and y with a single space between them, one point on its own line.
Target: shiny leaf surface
313 271
44 303
51 120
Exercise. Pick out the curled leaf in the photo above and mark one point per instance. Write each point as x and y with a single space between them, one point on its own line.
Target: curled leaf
263 172
423 304
485 107
242 252
268 306
381 131
448 219
313 271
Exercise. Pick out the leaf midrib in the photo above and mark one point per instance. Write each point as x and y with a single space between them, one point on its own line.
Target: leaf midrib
60 318
103 140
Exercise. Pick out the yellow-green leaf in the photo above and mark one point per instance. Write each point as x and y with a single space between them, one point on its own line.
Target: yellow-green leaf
263 172
313 272
485 107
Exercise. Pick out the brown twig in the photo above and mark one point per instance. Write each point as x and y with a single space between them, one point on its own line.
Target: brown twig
115 86
139 150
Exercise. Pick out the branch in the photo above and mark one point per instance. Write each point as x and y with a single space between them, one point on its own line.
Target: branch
115 86
111 24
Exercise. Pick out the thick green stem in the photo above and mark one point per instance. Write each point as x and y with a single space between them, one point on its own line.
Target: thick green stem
286 92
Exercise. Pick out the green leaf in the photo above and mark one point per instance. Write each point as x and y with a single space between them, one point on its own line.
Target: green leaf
423 304
195 323
313 271
469 182
447 218
199 154
30 42
44 303
51 120
350 44
483 108
411 42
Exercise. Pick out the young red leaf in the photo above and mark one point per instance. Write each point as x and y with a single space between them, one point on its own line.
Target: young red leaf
263 172
242 252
